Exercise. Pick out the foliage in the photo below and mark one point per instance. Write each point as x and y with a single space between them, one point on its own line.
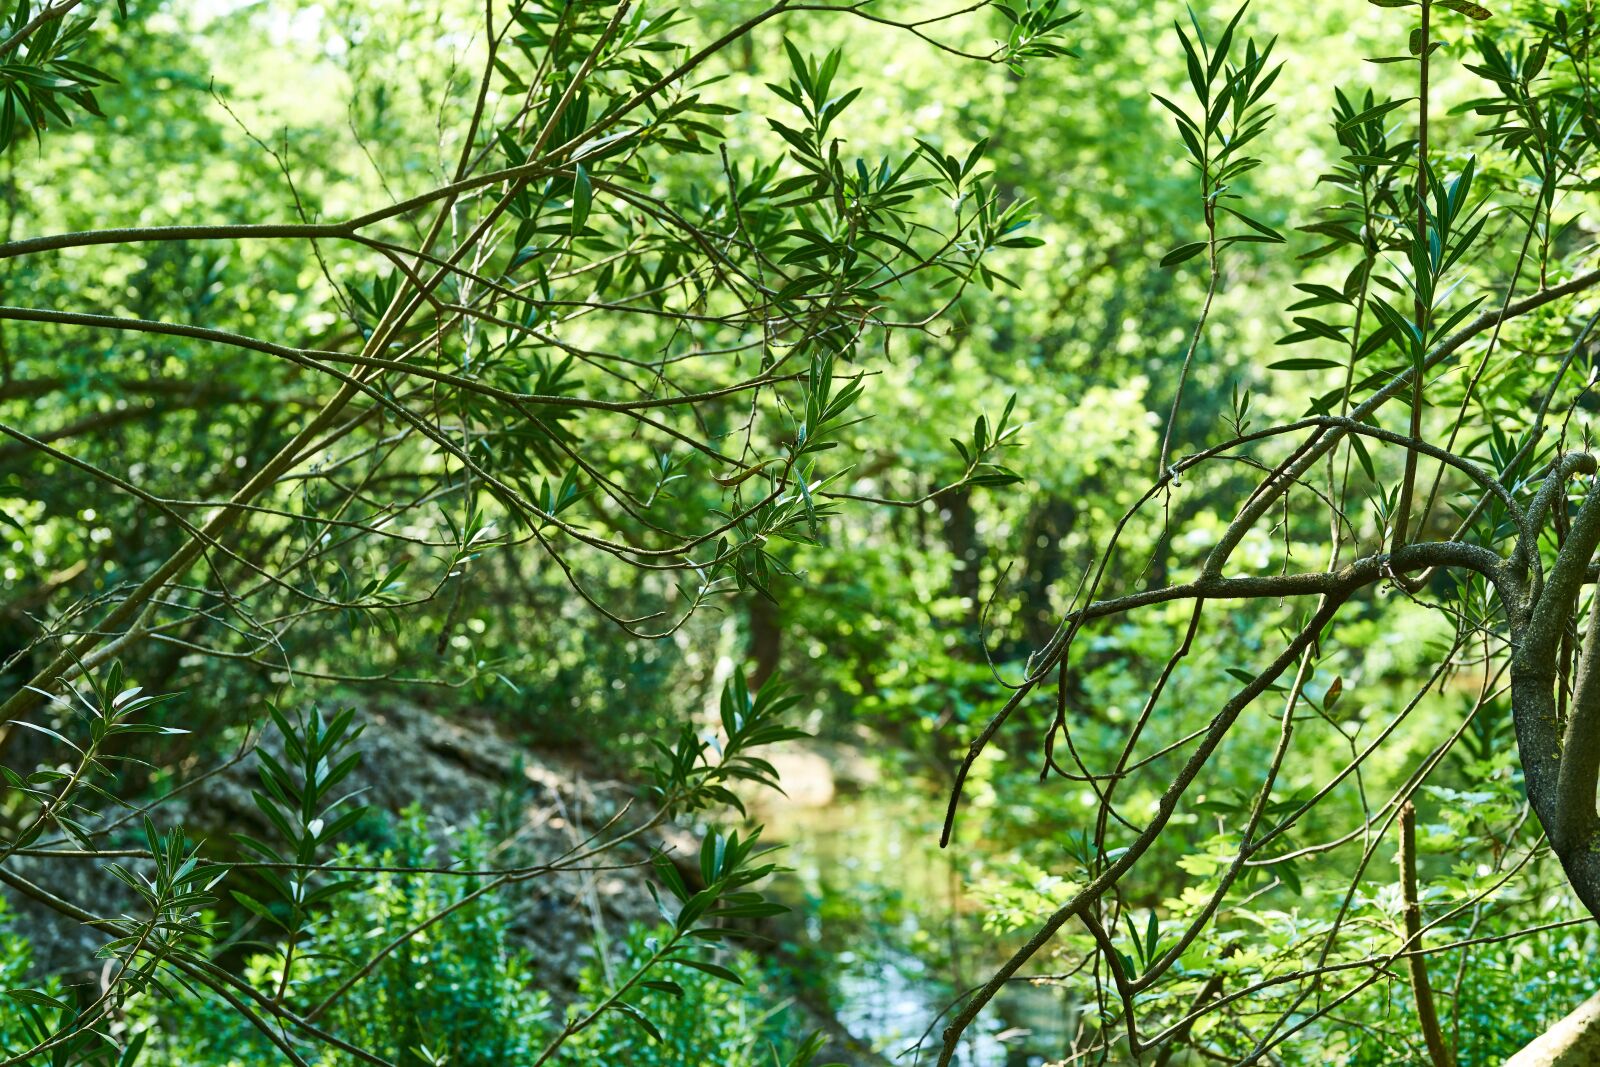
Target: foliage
462 994
700 1018
577 367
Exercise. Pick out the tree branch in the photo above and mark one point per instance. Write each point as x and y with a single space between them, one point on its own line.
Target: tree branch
1421 991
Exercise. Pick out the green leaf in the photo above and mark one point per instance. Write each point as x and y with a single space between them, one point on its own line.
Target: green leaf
714 969
1183 252
37 999
638 1017
582 199
1373 113
1307 363
1467 8
662 985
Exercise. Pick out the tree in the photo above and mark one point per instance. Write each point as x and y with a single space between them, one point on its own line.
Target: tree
1426 274
586 340
605 331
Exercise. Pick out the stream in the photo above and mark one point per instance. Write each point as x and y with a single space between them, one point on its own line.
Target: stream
880 914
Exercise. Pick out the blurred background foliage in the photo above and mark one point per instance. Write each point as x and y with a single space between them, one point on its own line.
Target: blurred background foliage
898 621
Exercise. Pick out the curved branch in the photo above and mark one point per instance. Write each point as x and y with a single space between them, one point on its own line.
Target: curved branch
1562 469
1271 490
1165 808
1342 582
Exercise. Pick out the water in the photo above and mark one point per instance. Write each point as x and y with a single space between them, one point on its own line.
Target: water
882 920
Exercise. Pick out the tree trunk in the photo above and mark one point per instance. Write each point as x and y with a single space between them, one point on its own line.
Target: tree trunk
961 537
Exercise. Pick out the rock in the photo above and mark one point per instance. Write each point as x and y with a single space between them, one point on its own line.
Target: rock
454 768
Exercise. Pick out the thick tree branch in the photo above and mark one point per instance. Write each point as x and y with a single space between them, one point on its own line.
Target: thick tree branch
1580 749
1536 713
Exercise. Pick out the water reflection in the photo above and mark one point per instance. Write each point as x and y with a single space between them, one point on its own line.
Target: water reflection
884 926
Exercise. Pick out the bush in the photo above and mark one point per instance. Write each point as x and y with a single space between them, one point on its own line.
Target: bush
462 992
